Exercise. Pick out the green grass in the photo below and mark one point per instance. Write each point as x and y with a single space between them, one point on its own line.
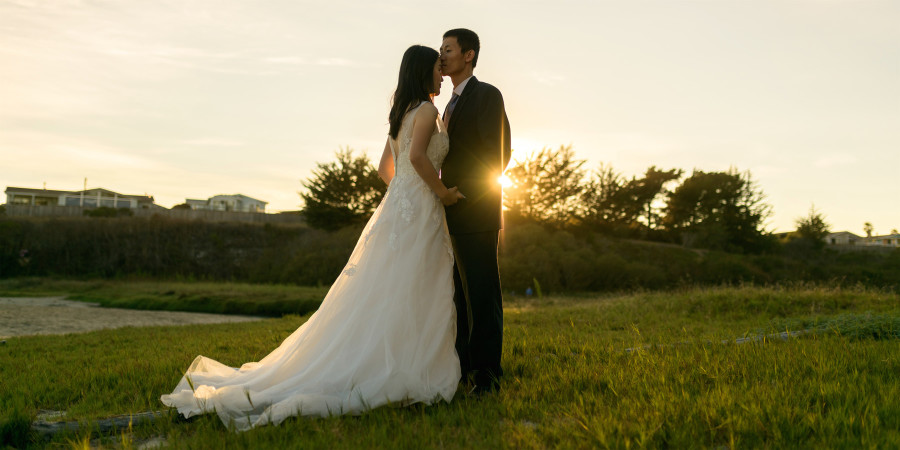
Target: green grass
569 382
211 297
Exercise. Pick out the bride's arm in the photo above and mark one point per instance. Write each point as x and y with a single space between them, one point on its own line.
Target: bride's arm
423 129
386 166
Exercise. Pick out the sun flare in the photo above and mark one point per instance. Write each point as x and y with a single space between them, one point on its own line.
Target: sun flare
504 181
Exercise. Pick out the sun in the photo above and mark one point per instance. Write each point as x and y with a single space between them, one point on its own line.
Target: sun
504 181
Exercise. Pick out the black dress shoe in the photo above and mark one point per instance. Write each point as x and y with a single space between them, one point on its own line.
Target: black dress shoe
486 379
485 388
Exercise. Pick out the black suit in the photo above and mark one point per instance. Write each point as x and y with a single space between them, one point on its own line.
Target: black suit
479 151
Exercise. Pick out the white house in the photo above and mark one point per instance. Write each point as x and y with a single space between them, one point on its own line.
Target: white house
888 240
235 202
848 238
88 198
843 238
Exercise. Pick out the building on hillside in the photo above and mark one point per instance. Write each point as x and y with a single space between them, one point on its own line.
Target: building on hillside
87 198
887 240
846 238
235 202
843 238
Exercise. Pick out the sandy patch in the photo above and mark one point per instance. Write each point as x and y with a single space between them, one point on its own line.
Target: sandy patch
22 316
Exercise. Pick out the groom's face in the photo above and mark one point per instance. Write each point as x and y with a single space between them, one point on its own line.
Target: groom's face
452 59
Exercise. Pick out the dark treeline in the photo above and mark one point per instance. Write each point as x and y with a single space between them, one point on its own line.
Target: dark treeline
560 260
709 210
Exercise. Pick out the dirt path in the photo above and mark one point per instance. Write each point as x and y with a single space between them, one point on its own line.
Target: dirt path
22 316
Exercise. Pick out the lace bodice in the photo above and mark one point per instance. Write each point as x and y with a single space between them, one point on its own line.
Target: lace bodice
437 149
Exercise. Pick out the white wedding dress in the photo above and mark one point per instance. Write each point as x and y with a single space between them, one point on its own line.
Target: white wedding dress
384 333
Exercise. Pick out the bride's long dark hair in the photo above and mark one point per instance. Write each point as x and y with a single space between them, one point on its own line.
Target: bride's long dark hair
415 84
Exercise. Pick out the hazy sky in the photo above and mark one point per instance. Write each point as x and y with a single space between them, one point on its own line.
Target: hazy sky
182 99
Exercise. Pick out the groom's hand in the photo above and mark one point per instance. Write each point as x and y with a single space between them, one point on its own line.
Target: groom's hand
452 196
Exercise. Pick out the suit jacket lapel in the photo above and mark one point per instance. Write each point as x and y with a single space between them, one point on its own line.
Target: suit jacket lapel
460 104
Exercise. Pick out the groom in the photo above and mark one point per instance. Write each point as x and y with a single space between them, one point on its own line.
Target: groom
479 151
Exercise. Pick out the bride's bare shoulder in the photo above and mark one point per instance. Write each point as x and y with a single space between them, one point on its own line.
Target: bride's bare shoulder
427 110
425 113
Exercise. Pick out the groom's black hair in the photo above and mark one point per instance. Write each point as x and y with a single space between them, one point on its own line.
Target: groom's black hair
467 40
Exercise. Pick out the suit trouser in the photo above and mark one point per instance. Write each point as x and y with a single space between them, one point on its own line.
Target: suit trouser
479 307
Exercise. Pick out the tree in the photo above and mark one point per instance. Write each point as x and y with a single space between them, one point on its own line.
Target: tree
868 228
718 210
894 231
342 192
546 187
642 192
813 228
603 199
615 204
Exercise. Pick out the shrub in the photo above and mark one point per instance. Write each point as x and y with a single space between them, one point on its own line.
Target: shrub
106 211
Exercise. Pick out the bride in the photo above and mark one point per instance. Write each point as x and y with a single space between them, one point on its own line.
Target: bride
385 331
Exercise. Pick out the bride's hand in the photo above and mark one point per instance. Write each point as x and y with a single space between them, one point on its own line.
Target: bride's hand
452 196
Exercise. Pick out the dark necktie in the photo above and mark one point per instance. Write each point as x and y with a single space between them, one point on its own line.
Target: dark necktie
449 110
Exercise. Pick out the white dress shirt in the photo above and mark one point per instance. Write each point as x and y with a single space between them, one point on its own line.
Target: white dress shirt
458 90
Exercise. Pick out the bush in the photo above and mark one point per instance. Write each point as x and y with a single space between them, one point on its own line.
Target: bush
719 267
15 425
106 211
563 262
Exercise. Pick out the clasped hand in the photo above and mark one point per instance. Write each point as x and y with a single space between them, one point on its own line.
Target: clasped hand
452 196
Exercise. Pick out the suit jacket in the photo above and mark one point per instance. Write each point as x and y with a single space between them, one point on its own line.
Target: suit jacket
479 151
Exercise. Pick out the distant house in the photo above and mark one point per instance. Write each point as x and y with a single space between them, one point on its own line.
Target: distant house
888 240
848 238
88 198
235 202
843 238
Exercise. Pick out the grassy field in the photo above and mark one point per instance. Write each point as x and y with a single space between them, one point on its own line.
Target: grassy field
570 381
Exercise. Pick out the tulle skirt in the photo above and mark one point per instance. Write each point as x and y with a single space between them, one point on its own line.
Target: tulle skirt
384 333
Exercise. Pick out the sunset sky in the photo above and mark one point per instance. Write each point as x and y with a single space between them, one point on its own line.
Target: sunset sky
189 99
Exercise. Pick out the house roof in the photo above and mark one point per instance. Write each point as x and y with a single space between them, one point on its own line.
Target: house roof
12 189
34 191
239 195
843 233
